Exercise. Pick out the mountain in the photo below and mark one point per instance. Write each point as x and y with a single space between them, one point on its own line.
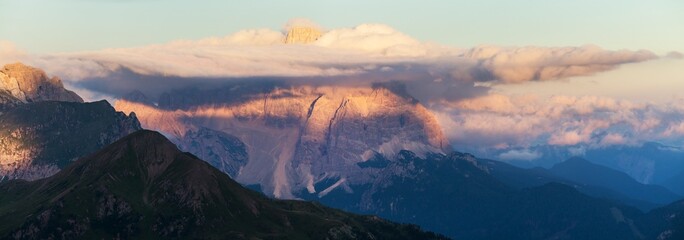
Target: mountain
581 171
294 137
675 183
648 163
37 139
454 195
28 84
622 189
665 223
370 150
142 186
44 127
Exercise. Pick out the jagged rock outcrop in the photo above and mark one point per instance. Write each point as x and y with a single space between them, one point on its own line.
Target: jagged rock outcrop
296 137
302 35
29 84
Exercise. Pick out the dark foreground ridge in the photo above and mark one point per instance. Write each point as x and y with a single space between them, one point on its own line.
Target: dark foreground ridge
143 187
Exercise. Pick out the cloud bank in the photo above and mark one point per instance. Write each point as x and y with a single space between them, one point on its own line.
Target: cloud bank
363 51
452 81
501 121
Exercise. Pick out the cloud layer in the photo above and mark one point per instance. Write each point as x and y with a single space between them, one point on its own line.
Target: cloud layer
534 63
363 51
501 121
452 81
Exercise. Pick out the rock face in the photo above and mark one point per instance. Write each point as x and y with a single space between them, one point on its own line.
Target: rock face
295 137
143 187
29 84
44 127
302 35
37 139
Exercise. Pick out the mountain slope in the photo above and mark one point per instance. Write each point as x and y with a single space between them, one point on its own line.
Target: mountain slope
665 223
534 177
584 172
454 195
649 163
675 183
142 186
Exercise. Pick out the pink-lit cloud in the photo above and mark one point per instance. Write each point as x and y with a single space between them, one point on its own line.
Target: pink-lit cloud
523 121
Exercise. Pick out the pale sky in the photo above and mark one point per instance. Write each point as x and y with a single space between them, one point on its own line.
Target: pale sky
48 26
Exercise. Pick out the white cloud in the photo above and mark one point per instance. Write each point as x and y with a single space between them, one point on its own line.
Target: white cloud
523 121
524 154
537 63
577 151
9 53
364 49
373 38
613 139
675 128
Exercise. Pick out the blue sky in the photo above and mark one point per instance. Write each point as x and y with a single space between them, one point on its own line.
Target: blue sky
43 26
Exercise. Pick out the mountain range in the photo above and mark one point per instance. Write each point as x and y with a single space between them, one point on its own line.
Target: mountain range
294 137
371 150
648 163
587 177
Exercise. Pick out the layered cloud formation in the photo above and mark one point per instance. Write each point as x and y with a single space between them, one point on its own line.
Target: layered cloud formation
519 121
339 52
452 81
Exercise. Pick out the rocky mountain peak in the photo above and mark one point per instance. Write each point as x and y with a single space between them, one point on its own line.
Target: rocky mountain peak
29 84
302 35
304 135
